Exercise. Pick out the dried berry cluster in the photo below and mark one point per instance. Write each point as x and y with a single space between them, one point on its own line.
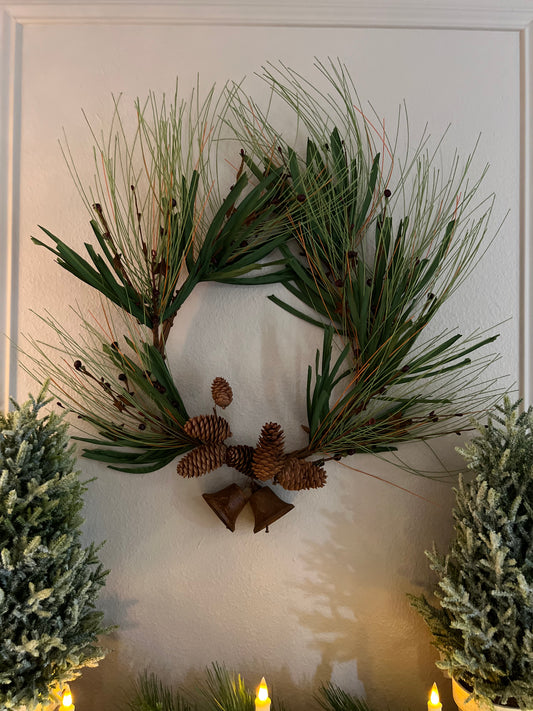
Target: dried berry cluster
266 461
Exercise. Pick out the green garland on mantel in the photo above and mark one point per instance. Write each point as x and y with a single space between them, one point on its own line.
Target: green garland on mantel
368 240
223 690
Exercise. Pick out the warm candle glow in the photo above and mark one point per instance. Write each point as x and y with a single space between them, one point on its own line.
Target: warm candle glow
262 702
262 692
434 703
66 702
434 695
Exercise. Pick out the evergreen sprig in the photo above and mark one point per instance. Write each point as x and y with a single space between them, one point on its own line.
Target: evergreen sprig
160 221
49 582
380 241
221 690
151 694
332 698
483 627
121 386
225 691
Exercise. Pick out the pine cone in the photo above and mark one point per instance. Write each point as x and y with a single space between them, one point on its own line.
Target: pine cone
221 392
201 460
300 474
208 428
268 456
240 458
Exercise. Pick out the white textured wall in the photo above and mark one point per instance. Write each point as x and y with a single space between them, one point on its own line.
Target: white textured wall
322 596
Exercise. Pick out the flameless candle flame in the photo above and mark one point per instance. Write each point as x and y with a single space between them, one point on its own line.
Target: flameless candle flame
66 704
262 694
262 702
434 703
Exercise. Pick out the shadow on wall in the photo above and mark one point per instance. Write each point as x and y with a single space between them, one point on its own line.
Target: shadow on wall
97 691
338 603
368 638
93 686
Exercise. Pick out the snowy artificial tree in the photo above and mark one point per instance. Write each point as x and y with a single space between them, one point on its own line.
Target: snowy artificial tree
483 628
48 581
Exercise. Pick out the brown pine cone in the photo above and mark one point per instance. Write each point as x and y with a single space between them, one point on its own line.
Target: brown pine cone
268 456
300 474
221 392
240 458
201 460
208 428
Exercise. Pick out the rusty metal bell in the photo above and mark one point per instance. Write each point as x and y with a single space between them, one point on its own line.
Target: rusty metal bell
228 503
267 507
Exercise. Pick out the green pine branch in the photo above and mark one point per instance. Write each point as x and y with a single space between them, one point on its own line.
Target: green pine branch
380 241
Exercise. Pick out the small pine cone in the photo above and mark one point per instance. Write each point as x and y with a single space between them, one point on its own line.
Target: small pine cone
268 456
240 458
221 392
300 474
212 429
290 476
202 460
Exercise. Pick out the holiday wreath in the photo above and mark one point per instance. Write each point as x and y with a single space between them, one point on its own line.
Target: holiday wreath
369 242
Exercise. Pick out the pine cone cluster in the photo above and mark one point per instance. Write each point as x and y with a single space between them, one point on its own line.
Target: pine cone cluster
221 392
208 428
201 460
268 456
266 461
212 430
240 457
298 474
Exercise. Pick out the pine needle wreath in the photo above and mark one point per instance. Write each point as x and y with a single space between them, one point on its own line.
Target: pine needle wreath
370 241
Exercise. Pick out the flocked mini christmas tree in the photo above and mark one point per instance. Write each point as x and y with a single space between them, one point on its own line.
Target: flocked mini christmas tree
48 581
484 627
